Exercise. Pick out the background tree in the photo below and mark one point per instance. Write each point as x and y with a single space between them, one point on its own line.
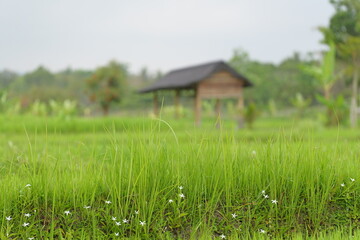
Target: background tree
351 49
344 31
108 85
324 73
274 82
7 77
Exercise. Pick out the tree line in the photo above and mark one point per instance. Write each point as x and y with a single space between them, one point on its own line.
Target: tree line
318 78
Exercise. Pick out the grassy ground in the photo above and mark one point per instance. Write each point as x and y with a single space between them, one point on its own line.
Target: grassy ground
170 180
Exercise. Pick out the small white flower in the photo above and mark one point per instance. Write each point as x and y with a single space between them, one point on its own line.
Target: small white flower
266 196
142 223
181 187
28 185
118 223
25 224
125 220
352 179
31 238
170 201
234 215
87 207
136 211
263 192
67 212
181 195
274 201
253 152
8 218
108 202
117 234
27 215
113 218
222 236
262 231
342 185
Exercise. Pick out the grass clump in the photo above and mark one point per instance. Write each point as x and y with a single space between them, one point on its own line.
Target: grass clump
178 184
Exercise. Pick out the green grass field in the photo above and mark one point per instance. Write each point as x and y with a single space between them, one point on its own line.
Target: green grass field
138 178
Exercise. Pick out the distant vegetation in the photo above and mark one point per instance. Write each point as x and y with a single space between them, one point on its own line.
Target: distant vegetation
292 173
327 80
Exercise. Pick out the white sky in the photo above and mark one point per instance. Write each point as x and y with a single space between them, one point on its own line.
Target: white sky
159 34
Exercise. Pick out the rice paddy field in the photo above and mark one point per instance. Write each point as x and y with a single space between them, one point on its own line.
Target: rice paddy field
134 178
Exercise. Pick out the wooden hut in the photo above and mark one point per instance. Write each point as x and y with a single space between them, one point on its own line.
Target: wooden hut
214 80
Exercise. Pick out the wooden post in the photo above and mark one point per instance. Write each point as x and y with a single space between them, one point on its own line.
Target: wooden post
197 108
177 103
218 112
240 109
156 104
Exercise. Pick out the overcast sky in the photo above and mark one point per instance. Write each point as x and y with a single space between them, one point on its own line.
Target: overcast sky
159 34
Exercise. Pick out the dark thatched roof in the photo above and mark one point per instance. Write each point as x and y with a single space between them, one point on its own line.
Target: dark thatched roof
187 78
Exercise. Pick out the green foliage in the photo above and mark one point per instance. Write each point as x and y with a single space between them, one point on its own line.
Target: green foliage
38 108
324 74
300 103
250 114
170 111
3 101
7 78
345 21
279 82
272 107
337 110
108 85
64 110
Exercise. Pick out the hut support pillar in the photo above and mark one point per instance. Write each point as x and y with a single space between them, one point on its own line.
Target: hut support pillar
197 108
177 103
240 109
218 112
156 104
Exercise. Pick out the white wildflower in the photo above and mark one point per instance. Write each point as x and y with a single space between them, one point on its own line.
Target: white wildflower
28 185
274 201
113 218
352 179
108 202
25 224
234 215
342 185
142 223
262 231
170 201
67 212
118 223
27 215
222 236
117 234
8 218
181 187
136 211
125 220
181 195
87 207
266 196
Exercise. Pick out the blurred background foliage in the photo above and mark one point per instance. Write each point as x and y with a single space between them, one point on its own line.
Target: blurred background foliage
297 86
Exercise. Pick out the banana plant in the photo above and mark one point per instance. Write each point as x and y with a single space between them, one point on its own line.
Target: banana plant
324 73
